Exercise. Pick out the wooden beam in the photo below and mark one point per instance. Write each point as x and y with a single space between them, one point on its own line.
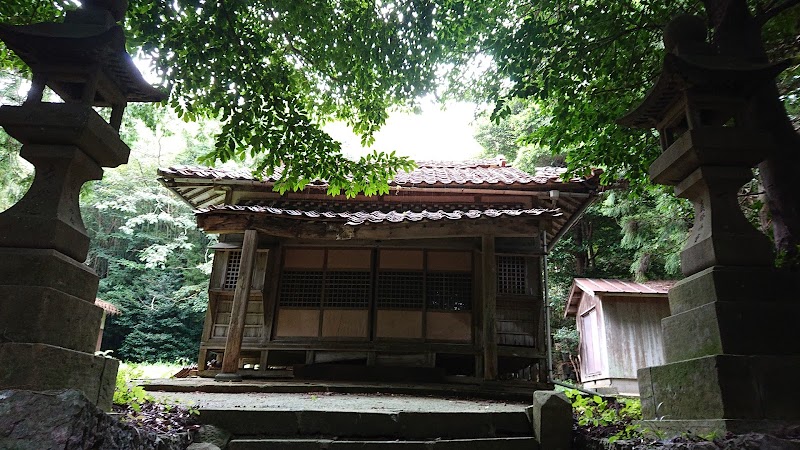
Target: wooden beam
271 291
233 344
489 276
233 222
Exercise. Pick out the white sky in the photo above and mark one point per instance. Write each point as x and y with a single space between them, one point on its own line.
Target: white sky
435 133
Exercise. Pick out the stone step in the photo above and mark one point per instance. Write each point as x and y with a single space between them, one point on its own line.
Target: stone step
507 443
367 425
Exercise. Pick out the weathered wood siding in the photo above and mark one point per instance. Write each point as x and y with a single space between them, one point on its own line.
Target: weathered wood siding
633 330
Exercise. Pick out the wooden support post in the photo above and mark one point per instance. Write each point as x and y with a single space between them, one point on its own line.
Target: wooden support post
489 276
233 345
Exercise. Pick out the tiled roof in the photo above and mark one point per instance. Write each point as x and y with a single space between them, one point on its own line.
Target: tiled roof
594 286
427 173
362 217
107 307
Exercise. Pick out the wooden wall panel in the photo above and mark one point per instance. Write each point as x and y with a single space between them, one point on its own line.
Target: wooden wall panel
448 326
450 261
259 270
218 269
297 323
301 258
350 259
399 324
400 259
345 323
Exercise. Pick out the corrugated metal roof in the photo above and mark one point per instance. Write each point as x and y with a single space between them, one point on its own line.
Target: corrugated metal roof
602 285
361 217
594 286
474 172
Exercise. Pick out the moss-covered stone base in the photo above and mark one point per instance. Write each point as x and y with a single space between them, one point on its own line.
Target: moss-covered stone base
42 367
737 387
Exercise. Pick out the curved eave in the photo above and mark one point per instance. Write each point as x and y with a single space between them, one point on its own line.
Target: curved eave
44 45
681 72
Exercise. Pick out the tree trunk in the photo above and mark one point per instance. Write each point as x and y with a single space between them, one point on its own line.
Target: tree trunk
738 33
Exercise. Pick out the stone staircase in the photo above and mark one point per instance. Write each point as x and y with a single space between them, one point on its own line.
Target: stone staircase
341 430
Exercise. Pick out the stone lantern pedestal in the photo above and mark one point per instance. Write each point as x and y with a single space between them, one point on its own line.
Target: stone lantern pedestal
48 320
728 342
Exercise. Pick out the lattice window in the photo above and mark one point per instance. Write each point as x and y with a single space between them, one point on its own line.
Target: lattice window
399 290
347 289
232 270
449 291
511 275
301 288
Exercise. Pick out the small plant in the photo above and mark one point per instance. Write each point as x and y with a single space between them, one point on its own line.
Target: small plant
127 394
612 417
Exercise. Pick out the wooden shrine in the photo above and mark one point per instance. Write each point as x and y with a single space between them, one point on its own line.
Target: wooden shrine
443 272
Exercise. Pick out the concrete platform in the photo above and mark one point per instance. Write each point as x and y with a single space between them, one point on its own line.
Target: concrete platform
468 388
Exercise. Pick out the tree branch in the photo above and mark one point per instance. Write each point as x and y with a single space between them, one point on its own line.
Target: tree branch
773 9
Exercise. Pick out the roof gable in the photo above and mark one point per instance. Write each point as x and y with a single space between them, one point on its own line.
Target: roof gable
601 286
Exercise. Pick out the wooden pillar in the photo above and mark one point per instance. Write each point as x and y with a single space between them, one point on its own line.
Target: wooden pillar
489 304
233 344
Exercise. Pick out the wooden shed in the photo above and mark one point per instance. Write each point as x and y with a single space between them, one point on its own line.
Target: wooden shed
619 323
443 272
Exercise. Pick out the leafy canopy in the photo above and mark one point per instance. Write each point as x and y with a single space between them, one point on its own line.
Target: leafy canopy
587 63
274 72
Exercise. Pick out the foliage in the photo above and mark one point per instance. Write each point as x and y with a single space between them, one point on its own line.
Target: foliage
509 137
125 392
151 258
150 255
654 226
585 64
141 410
615 416
295 66
15 174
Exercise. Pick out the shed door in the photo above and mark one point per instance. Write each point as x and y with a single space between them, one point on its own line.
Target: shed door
590 343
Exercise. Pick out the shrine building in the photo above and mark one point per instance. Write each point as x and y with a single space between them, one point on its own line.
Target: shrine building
444 273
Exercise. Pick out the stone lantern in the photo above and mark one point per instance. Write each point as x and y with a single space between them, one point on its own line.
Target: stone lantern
725 343
48 320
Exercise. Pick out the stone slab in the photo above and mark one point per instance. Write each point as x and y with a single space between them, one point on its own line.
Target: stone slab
362 425
44 315
721 387
445 425
66 124
350 424
732 284
47 268
736 328
42 367
551 416
252 422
